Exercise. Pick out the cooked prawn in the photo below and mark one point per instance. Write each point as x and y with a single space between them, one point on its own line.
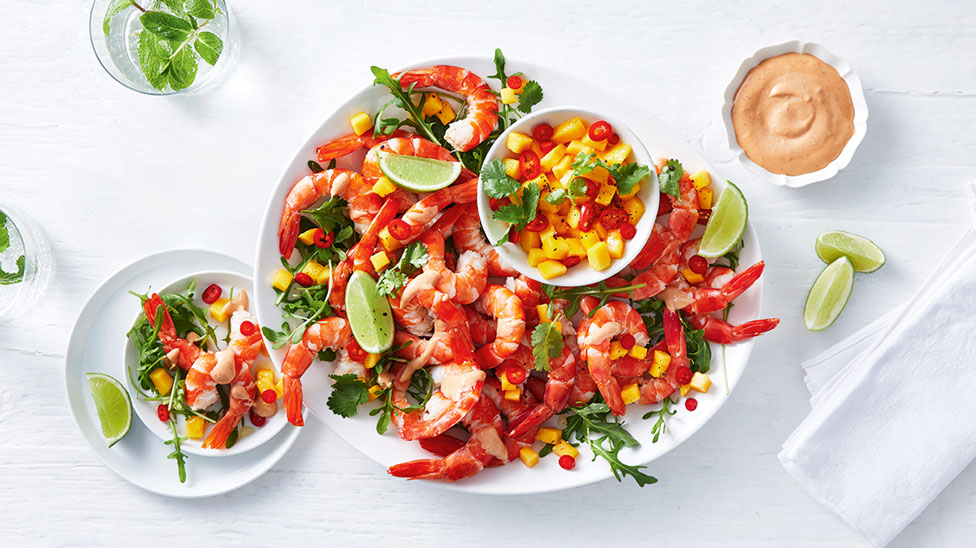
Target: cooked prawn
344 183
245 350
501 303
594 336
467 237
333 333
559 387
348 144
188 352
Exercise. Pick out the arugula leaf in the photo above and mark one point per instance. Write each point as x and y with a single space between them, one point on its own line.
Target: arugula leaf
414 257
628 175
699 352
531 96
595 425
329 216
116 7
209 46
10 278
520 214
496 182
177 453
575 294
660 426
348 393
670 178
166 26
499 59
183 69
4 235
547 343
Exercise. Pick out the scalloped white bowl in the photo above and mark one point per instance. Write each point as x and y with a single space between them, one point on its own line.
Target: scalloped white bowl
857 96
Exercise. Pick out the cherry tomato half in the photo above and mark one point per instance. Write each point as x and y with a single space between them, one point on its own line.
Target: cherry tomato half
600 130
542 132
247 328
546 146
588 215
538 224
613 218
514 82
496 203
399 229
211 293
304 279
698 264
628 231
571 261
613 139
529 164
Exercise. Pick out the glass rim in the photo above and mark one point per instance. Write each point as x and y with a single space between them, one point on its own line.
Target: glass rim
95 22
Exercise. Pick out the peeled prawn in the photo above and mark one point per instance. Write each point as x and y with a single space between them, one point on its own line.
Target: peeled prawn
333 333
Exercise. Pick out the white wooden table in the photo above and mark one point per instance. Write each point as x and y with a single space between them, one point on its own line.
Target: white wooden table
113 175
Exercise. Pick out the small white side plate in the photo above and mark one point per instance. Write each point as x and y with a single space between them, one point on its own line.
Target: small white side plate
140 457
857 96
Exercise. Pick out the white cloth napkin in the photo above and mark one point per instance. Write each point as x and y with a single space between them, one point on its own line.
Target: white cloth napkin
892 421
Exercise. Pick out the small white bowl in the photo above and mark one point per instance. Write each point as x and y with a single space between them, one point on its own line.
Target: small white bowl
146 410
580 274
857 96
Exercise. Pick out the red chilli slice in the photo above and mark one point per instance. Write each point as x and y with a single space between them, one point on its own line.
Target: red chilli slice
529 164
600 130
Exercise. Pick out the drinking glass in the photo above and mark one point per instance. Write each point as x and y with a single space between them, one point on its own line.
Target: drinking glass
26 265
116 43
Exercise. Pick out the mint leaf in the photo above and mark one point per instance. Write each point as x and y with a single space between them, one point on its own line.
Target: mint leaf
209 46
4 235
669 179
496 182
183 69
348 393
153 59
8 278
204 9
176 6
531 95
547 343
166 26
628 175
116 7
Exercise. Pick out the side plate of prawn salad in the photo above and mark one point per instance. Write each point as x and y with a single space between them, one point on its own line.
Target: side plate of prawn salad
422 322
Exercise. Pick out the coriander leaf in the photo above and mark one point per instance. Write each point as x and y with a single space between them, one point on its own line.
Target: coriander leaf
9 278
348 393
496 182
414 257
209 46
547 343
150 61
628 175
512 214
557 196
203 9
530 202
183 69
4 235
389 282
166 26
584 163
577 187
531 95
118 6
670 178
699 351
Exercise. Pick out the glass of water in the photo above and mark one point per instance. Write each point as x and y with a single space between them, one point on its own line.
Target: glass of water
26 266
161 47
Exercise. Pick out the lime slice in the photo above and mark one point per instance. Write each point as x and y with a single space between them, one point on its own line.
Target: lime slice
369 315
864 254
113 406
727 223
829 294
418 174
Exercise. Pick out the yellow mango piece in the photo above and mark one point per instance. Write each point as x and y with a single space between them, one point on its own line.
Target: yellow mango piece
605 195
598 256
599 174
565 132
162 380
388 241
543 182
701 180
617 350
550 269
432 105
555 248
563 448
615 244
692 276
446 114
279 387
528 457
518 142
596 145
313 269
508 96
263 384
589 239
577 147
576 248
281 280
562 167
194 427
660 363
552 157
384 187
218 310
549 435
374 392
263 373
685 388
307 237
618 154
573 217
529 240
514 394
371 360
536 256
634 208
380 260
512 168
559 223
700 382
705 196
630 393
546 207
543 311
360 123
637 352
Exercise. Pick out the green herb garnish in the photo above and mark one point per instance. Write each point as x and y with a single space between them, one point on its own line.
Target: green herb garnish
413 258
669 180
595 425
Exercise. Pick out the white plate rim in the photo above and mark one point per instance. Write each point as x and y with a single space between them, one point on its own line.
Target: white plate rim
306 151
95 303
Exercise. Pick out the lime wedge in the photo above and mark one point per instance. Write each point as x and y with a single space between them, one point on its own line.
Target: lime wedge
829 294
864 254
727 223
418 174
113 406
369 314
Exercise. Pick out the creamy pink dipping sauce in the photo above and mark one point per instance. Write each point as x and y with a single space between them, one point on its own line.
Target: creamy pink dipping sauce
793 114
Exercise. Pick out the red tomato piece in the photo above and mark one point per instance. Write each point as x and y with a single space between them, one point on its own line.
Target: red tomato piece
691 404
257 420
613 139
211 293
684 375
627 341
698 264
567 462
538 224
546 146
600 130
613 218
304 279
247 328
628 231
570 262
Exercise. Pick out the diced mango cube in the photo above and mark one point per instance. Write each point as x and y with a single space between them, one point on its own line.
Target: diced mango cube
563 167
559 223
685 388
605 195
547 207
552 157
432 105
279 387
361 123
637 352
615 244
550 269
597 145
374 392
601 231
705 196
264 384
529 240
589 239
555 248
380 260
630 393
576 248
701 180
576 148
281 280
506 384
194 427
162 380
599 174
543 311
660 363
549 435
617 350
618 154
598 256
313 269
528 457
265 374
563 448
542 181
218 310
536 256
371 360
512 168
384 187
700 382
446 114
565 132
692 276
518 142
573 217
307 237
388 241
634 208
514 394
508 96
